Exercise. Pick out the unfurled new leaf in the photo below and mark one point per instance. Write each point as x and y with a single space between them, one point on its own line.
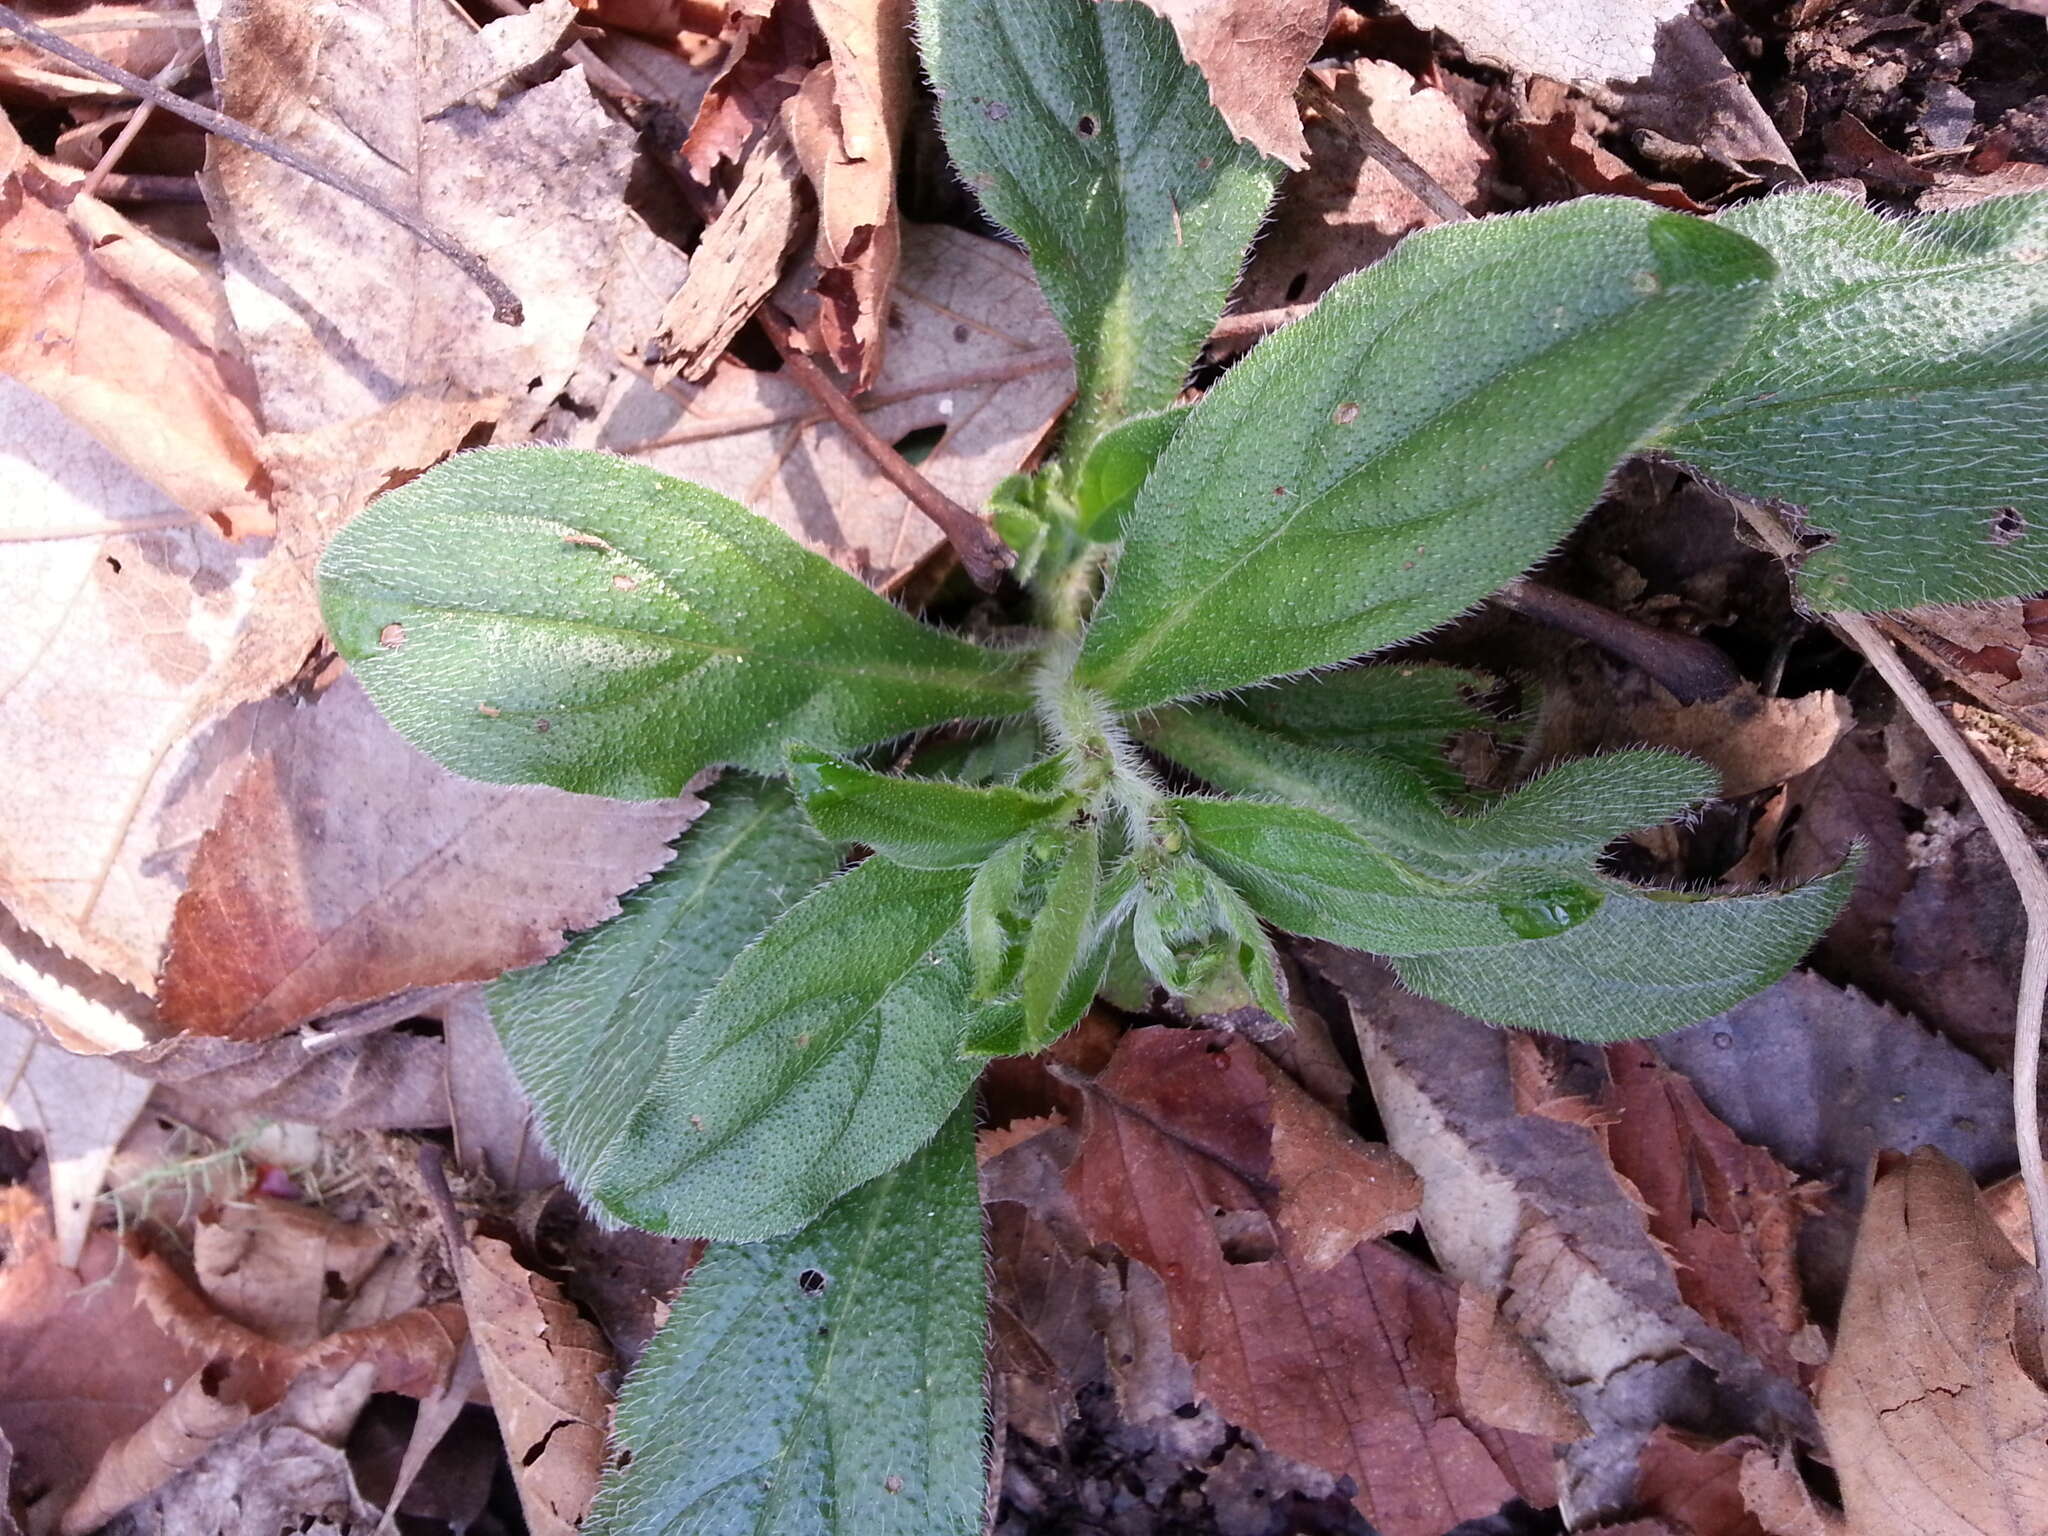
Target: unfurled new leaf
826 1384
585 1031
921 823
1433 428
1565 815
1116 468
538 615
1086 133
1644 963
830 1051
1895 390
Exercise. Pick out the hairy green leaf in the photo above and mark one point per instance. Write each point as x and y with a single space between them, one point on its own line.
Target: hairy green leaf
537 615
829 1052
1896 390
1201 940
1310 874
1645 963
1116 468
826 1384
1404 711
584 1030
922 823
1428 432
1565 815
1062 932
1084 132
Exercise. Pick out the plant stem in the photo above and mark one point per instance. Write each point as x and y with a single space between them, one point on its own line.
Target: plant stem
1691 669
981 553
2021 862
1404 168
505 305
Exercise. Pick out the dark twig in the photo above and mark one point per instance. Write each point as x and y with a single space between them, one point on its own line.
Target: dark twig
981 553
505 306
1691 669
1399 164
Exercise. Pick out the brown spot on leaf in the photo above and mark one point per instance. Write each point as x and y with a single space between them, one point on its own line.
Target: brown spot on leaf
391 636
1345 414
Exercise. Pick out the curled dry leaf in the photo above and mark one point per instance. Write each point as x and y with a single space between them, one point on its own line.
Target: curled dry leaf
127 35
341 310
189 1425
545 1367
346 866
975 359
1936 1423
1349 1368
1500 1380
287 1271
1253 53
1754 740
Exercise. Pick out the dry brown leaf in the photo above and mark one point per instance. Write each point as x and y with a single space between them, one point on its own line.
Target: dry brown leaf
1778 1496
496 1136
973 353
1350 1368
1695 1487
1252 53
856 106
380 1079
1728 1213
410 1351
26 71
81 1106
1346 210
1934 1423
132 342
346 866
1500 1380
1754 740
771 48
738 262
189 1425
281 1269
83 1363
1528 1210
343 312
544 1366
1335 1190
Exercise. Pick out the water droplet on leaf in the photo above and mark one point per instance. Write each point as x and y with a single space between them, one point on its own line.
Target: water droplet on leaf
1543 914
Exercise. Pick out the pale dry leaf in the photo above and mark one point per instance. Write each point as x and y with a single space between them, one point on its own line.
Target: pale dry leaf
283 1269
381 1080
974 357
1934 1423
1252 53
1500 1380
132 341
81 1106
128 35
196 1417
509 55
1346 210
1350 1368
1754 740
84 1364
859 102
1778 1496
1582 42
342 311
738 262
496 1135
544 1366
346 866
124 646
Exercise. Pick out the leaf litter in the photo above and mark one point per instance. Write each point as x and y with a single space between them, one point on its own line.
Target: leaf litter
1648 1289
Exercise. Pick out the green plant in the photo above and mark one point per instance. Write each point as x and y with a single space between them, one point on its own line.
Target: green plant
1436 426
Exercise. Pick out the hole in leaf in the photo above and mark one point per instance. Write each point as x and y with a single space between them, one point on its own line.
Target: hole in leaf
812 1282
917 444
1087 127
2008 526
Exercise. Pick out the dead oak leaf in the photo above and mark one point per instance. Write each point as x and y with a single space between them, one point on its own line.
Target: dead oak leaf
544 1365
1934 1422
346 866
1349 1368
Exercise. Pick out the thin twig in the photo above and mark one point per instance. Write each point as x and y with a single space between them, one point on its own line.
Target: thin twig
2021 862
981 553
505 306
167 77
1691 669
1399 164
